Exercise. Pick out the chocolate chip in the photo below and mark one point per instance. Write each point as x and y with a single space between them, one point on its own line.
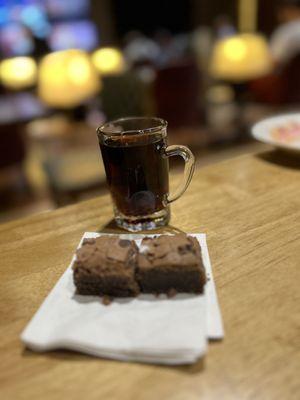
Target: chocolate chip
181 250
184 249
124 243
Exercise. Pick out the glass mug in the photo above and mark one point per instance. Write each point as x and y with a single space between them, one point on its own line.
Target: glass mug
135 156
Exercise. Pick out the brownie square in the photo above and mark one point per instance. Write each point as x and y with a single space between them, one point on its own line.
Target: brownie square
106 266
168 264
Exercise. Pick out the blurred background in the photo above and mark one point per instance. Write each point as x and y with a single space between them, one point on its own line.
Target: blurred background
211 68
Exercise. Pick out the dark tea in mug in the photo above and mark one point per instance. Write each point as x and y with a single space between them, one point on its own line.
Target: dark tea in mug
135 156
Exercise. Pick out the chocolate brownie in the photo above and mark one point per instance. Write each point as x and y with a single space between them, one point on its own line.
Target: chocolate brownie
166 264
106 266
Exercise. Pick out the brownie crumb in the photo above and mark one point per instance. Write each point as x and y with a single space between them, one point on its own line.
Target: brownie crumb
171 293
106 300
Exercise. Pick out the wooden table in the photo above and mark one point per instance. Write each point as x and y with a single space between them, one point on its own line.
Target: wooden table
250 209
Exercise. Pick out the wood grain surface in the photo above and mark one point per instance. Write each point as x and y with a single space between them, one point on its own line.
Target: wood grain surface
250 209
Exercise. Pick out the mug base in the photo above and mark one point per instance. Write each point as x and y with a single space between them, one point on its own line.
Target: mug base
143 222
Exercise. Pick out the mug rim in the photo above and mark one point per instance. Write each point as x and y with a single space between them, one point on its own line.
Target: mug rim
158 124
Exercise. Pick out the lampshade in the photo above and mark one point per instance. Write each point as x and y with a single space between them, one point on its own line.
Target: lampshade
67 78
108 61
241 57
18 72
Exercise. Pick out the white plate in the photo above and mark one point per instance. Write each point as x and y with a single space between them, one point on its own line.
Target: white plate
263 129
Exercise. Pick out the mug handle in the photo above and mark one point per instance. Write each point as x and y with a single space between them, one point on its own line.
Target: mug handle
189 159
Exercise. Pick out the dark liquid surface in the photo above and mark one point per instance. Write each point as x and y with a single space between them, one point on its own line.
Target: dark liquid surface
137 174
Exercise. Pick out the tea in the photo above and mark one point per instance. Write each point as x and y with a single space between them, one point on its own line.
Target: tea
137 173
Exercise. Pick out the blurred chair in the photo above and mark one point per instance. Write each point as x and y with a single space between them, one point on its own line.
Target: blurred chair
13 181
74 174
290 77
123 95
281 88
70 157
267 89
176 92
15 110
12 145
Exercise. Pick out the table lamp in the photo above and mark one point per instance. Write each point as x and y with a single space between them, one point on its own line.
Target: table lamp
108 61
18 72
240 58
67 78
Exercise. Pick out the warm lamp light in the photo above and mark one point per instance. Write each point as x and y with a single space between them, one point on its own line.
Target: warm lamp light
18 72
67 78
241 57
108 61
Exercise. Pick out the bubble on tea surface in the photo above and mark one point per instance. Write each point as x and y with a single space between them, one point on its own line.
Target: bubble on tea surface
113 129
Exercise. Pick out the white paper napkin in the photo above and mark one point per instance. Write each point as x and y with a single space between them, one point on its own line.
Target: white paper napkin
146 328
